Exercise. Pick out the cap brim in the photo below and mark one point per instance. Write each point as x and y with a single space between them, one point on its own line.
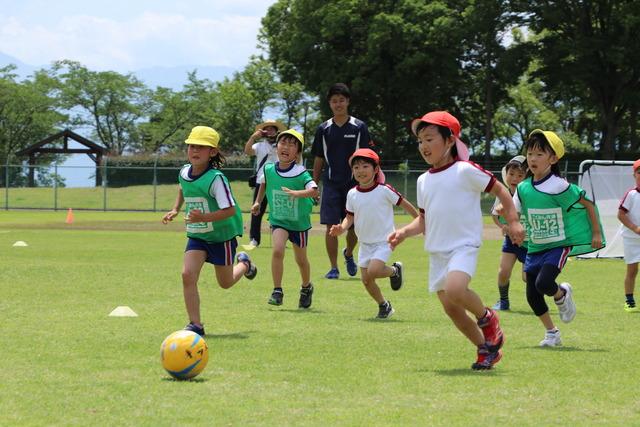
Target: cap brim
280 126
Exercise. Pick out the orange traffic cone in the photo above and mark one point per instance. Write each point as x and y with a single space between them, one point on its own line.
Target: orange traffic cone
69 219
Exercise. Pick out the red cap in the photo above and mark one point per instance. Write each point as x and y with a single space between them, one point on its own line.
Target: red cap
369 154
443 118
636 165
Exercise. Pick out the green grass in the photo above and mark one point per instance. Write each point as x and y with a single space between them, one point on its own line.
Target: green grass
65 362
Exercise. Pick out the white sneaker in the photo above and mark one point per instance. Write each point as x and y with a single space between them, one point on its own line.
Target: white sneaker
253 242
551 339
567 309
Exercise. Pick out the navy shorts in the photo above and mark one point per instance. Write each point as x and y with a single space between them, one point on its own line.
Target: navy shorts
509 248
556 257
221 253
298 238
333 203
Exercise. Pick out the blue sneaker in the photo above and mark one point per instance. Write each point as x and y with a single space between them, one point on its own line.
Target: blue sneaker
352 268
332 274
252 269
194 328
501 305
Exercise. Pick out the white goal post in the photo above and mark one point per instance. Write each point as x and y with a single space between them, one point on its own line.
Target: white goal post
606 182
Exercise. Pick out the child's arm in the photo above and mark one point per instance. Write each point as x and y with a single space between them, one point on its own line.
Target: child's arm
255 209
196 215
500 225
515 230
338 229
248 147
309 192
596 232
414 228
624 219
409 208
176 208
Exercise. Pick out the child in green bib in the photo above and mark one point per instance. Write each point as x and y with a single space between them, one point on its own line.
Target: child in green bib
290 191
213 220
560 222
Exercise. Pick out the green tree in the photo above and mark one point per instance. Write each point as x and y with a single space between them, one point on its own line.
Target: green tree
400 57
591 47
108 103
28 112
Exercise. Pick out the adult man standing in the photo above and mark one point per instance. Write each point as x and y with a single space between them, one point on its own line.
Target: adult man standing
262 144
335 141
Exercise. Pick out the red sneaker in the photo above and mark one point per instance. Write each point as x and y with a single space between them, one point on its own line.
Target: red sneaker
490 325
486 359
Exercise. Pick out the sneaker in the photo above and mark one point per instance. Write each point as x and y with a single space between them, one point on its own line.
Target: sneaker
194 328
486 358
254 242
490 325
551 339
352 268
567 308
276 297
334 273
305 296
385 310
501 305
396 280
252 270
630 308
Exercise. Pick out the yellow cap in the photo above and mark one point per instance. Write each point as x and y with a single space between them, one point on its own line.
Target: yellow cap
203 135
554 141
297 135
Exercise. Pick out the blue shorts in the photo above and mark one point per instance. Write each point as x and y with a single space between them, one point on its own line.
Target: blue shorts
221 253
509 248
556 257
333 203
298 238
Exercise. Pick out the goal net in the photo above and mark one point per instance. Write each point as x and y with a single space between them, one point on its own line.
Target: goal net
606 182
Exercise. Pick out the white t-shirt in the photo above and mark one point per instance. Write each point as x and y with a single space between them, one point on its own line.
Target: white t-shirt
372 210
449 197
262 149
631 205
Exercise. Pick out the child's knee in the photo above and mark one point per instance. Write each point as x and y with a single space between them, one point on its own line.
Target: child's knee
278 253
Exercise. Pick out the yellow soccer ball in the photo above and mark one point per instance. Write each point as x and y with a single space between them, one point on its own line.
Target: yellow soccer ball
184 354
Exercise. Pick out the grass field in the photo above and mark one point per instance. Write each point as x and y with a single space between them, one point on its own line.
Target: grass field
65 362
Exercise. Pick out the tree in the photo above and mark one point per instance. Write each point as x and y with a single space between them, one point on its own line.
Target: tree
108 103
28 112
591 47
400 57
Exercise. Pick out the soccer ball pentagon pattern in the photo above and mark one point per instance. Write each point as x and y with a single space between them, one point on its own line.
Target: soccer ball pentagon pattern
184 354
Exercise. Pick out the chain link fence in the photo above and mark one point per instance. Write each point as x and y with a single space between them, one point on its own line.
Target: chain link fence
145 188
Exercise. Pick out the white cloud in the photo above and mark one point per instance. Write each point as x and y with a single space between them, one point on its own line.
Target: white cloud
216 36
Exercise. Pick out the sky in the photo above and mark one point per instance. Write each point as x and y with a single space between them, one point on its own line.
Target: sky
127 35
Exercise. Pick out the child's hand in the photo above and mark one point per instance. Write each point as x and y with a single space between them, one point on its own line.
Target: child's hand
168 217
336 230
255 209
292 193
194 216
505 230
499 209
596 241
395 239
516 233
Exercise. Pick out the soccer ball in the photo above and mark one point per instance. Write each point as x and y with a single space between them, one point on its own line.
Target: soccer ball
184 354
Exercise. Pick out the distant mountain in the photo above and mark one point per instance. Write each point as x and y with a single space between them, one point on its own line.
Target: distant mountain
176 77
171 77
23 70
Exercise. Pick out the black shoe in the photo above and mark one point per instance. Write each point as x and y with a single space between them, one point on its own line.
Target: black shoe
385 310
193 328
276 297
396 279
305 296
252 270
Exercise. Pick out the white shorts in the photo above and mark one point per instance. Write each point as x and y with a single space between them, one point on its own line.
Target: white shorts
631 250
369 251
463 259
